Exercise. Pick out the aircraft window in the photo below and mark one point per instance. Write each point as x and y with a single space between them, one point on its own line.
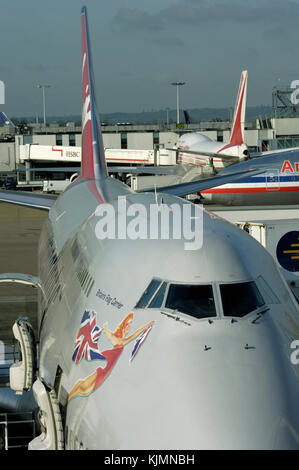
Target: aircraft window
195 300
266 291
148 293
159 297
239 299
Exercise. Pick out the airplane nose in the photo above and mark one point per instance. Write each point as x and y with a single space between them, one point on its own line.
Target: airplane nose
213 384
229 387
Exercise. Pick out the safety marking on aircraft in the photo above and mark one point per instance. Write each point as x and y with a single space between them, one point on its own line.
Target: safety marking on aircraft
87 348
287 251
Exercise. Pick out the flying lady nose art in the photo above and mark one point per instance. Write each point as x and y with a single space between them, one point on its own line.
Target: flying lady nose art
87 348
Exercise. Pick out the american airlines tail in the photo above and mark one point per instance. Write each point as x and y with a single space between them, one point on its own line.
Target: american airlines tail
237 131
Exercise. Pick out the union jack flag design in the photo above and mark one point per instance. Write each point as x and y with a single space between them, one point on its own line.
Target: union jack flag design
86 342
139 341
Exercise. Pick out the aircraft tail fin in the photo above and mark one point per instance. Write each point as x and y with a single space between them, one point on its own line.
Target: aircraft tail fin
93 164
5 121
237 131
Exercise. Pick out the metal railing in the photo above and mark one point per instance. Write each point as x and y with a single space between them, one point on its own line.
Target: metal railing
16 430
9 354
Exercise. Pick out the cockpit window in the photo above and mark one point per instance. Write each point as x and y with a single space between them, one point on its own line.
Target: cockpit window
268 295
239 299
195 300
148 293
159 297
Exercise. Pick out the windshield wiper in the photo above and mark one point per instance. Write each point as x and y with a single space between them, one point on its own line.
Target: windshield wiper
261 312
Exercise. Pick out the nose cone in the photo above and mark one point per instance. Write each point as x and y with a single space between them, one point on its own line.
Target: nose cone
228 386
196 385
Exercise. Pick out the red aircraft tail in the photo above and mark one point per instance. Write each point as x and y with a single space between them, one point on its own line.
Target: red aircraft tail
237 131
93 164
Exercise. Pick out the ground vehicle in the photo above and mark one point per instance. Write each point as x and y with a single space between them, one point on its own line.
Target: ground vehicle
55 186
10 183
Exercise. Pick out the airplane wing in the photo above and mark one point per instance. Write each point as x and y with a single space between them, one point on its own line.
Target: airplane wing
203 153
24 198
66 169
182 189
273 152
151 170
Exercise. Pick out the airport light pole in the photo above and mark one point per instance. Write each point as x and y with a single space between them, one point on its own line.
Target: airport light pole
167 117
43 87
178 84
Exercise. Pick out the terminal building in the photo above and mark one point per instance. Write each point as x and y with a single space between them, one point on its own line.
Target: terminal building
35 145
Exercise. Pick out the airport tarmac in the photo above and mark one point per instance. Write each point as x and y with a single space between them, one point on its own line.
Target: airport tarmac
19 233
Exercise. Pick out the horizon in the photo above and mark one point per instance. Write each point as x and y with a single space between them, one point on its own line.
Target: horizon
139 49
251 110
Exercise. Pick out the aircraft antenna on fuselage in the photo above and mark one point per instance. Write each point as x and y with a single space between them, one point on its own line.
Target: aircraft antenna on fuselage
93 162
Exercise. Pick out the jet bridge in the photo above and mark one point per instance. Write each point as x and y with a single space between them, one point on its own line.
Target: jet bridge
17 412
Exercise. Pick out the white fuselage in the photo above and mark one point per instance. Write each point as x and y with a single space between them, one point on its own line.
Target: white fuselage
197 142
195 383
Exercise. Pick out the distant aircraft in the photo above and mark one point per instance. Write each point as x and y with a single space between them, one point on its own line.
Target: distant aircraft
5 121
196 147
144 343
277 183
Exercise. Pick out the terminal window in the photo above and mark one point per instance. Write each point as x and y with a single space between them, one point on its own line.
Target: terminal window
124 143
58 139
72 140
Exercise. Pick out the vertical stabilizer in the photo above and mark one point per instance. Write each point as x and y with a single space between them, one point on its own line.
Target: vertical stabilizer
93 164
5 121
237 132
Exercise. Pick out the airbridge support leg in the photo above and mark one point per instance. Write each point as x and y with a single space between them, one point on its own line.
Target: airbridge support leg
52 437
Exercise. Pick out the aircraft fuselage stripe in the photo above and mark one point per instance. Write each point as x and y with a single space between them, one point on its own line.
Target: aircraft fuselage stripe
260 189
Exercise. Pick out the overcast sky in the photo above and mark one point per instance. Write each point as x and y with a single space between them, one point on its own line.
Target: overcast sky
139 47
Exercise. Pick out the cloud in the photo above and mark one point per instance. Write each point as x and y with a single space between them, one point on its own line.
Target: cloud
135 19
170 41
278 33
201 12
